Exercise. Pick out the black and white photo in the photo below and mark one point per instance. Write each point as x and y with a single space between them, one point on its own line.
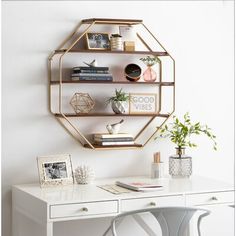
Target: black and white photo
55 170
98 41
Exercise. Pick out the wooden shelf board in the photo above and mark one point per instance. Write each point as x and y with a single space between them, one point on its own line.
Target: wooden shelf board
115 146
109 114
112 52
111 82
112 21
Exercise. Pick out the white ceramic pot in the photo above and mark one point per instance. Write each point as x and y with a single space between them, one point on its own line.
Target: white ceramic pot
119 107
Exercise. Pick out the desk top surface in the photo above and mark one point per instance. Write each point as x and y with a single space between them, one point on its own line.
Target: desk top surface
90 192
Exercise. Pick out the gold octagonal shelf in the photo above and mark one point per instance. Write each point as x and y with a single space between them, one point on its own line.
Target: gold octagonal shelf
68 46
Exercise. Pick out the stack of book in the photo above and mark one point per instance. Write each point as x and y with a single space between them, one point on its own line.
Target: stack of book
84 73
113 139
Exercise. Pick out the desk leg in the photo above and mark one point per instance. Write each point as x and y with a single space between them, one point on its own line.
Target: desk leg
49 229
21 221
15 222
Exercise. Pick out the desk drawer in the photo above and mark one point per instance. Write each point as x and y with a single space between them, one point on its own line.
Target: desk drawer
209 198
142 203
83 209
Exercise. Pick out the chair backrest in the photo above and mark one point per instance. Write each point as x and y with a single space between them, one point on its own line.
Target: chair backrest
173 220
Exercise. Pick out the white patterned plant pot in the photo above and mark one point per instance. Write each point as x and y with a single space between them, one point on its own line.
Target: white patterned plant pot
119 107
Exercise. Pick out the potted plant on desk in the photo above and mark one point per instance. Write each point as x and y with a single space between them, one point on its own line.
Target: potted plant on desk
180 165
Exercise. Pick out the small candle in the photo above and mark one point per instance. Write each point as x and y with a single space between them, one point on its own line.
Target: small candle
157 170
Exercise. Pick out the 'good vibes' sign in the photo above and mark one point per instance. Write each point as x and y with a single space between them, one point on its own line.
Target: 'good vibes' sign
141 103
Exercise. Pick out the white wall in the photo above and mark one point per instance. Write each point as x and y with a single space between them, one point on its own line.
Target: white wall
199 35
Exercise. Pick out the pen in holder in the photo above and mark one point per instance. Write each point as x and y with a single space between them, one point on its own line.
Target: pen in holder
157 167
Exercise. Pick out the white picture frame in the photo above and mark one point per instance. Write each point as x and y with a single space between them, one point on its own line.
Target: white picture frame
127 32
143 103
55 170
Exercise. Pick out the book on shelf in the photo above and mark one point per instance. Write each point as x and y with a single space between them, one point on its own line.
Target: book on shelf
92 78
94 68
92 71
91 74
119 139
139 186
113 139
119 135
124 143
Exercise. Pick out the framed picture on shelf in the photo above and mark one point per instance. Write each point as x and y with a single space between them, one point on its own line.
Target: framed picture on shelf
98 41
127 32
55 170
143 103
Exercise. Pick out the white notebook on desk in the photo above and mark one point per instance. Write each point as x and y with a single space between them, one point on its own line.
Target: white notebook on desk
139 186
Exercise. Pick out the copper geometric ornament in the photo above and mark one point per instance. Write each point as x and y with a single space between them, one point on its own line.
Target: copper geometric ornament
82 103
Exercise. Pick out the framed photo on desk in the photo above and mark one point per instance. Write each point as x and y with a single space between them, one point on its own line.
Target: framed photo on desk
55 170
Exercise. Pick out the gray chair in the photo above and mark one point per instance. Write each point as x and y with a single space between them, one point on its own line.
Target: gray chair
173 220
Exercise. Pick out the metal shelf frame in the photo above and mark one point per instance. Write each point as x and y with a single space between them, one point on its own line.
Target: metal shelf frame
66 119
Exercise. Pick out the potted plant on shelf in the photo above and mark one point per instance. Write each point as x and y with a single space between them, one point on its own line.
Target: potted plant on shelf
119 102
149 74
180 133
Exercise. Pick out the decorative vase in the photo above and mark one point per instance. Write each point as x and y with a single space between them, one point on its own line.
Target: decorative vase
180 165
119 107
149 74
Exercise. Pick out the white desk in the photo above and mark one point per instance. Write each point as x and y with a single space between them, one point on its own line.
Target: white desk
49 205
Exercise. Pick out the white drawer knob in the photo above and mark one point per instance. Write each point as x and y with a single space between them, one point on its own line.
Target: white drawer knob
85 209
214 198
152 204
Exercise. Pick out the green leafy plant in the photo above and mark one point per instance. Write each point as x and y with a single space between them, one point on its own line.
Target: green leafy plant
119 96
181 132
149 61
